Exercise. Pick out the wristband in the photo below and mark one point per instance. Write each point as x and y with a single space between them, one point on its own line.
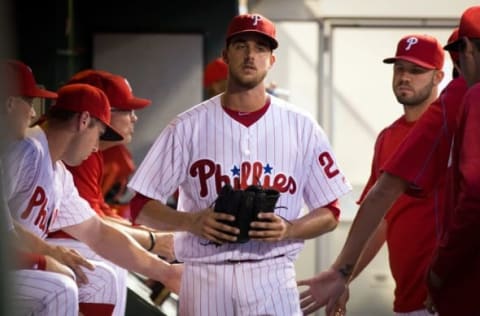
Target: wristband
153 240
346 271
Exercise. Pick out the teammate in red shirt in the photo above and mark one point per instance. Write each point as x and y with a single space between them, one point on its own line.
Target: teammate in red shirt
426 149
409 228
454 278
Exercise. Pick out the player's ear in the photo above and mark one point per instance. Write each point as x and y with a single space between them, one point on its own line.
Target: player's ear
83 120
273 58
438 76
9 104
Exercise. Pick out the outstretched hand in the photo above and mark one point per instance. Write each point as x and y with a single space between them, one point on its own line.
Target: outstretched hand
325 289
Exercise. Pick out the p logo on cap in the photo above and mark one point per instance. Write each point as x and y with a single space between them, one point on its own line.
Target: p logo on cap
253 23
422 50
117 88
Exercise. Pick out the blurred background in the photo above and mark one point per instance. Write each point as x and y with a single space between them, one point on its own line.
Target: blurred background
329 62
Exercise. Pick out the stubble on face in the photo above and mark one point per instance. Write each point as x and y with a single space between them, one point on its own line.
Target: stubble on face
418 97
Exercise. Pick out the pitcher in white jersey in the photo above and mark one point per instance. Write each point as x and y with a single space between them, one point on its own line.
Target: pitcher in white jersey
243 136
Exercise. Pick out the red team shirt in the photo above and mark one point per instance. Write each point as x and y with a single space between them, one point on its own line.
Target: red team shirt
457 259
411 227
87 178
422 160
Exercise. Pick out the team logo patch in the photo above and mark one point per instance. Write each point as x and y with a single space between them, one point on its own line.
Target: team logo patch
256 19
410 42
241 176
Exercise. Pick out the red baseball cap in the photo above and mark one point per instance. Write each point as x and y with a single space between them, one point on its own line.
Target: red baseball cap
469 27
117 88
422 50
253 23
453 37
215 71
21 82
79 97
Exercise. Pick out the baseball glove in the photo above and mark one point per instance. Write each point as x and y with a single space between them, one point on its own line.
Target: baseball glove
245 206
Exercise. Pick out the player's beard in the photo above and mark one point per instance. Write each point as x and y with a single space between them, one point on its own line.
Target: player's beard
246 83
417 98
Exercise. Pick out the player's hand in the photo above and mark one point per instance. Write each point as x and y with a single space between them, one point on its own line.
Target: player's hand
434 282
429 305
324 289
164 246
72 259
53 265
207 224
269 227
174 279
341 307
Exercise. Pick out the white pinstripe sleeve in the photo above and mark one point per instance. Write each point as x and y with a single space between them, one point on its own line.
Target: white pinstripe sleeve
325 181
163 168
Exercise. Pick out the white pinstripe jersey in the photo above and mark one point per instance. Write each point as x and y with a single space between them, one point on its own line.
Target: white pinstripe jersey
38 189
203 148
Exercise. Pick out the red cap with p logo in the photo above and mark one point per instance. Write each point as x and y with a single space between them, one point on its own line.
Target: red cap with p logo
422 50
253 23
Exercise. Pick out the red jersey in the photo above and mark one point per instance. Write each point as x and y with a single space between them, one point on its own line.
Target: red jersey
427 150
411 227
118 166
457 259
422 157
87 178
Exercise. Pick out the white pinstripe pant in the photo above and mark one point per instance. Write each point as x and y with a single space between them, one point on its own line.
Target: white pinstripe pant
117 284
44 293
262 288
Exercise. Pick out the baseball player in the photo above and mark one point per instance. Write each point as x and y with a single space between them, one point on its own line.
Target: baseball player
243 136
454 276
88 177
410 226
418 168
43 197
42 285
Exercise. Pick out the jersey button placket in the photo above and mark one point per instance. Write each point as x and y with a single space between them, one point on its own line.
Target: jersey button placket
245 147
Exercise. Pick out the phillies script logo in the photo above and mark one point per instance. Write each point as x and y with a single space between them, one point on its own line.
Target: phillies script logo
38 205
245 174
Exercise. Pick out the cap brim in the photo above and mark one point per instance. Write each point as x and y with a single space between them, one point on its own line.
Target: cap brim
133 104
111 135
453 46
274 43
41 93
415 61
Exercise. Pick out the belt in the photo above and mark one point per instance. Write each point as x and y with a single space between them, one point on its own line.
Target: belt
231 261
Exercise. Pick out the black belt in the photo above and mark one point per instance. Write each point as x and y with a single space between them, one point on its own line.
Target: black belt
251 260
